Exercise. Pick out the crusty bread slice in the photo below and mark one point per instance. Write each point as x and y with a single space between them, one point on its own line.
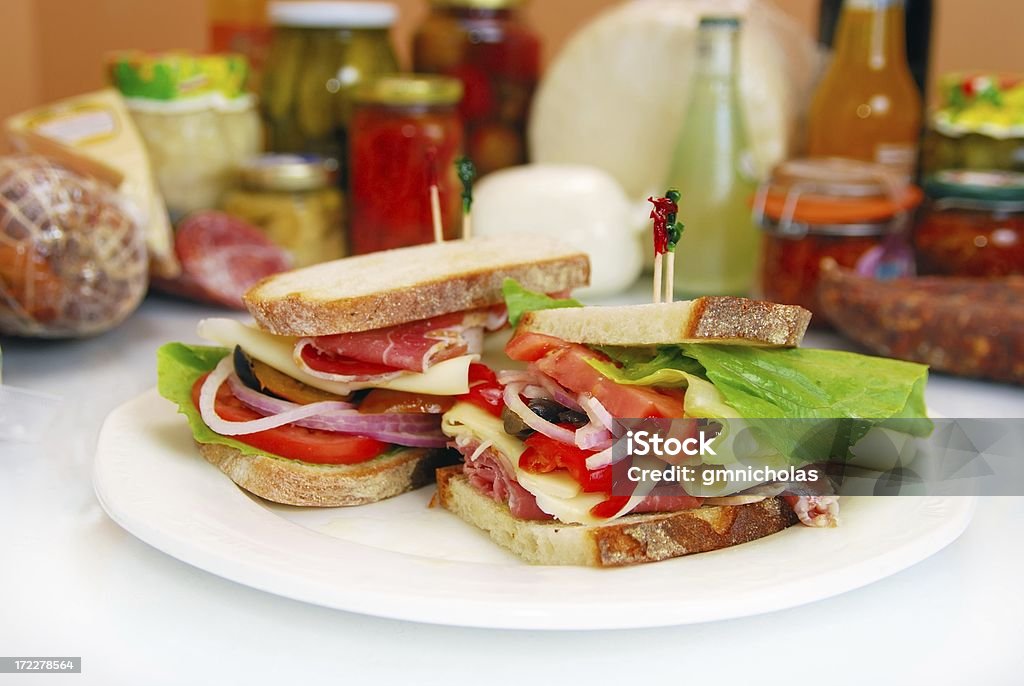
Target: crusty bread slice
309 485
704 320
629 540
397 286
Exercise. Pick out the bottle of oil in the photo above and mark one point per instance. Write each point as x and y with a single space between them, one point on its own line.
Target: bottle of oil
867 106
713 169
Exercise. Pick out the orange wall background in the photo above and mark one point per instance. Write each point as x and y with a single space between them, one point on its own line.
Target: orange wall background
54 48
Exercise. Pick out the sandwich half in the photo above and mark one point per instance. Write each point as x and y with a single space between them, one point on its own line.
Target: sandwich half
335 396
544 458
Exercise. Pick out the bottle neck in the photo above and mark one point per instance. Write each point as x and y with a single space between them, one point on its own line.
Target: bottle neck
872 34
717 52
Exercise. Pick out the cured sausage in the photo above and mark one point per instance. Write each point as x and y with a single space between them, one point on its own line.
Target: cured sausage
969 327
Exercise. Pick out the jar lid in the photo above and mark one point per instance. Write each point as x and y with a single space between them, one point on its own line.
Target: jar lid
479 4
834 190
333 14
986 186
409 89
288 172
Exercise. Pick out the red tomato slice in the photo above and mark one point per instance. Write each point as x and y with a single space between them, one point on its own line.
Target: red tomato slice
569 366
484 390
344 366
290 441
530 347
545 455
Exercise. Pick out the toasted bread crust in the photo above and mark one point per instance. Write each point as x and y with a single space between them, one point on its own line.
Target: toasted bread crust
711 319
290 482
630 540
725 318
301 303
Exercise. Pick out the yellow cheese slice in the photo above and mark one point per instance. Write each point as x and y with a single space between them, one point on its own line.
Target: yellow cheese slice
450 377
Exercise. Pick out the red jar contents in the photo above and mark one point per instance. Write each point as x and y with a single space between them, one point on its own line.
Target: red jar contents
972 225
496 56
404 134
853 212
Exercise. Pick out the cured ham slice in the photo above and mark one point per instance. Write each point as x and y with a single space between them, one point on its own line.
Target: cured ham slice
412 347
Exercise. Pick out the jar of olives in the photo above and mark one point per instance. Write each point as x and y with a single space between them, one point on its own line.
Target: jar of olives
489 47
320 51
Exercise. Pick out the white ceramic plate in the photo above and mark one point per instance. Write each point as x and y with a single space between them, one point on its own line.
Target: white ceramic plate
403 560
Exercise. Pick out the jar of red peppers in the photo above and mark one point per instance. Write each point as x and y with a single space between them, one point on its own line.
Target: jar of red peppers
973 224
856 213
405 136
488 46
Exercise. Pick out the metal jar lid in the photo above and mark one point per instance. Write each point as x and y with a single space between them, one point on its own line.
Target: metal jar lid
993 190
409 90
834 196
287 173
333 14
480 4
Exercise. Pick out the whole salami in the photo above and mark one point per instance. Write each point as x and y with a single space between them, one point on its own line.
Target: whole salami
969 327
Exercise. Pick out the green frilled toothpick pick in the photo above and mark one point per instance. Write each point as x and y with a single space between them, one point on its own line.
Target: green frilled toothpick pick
466 171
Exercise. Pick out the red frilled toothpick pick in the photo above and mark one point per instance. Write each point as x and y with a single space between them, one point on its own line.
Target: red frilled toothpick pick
667 232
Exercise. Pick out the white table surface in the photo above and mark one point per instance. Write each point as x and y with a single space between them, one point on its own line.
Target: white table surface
72 583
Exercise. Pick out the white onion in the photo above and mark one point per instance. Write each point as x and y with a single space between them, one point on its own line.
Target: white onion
530 418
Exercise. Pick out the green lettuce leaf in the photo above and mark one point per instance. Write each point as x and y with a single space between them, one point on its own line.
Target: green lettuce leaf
178 366
520 301
837 397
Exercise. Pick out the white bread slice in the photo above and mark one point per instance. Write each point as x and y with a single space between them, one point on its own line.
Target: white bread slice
309 485
629 540
396 286
704 320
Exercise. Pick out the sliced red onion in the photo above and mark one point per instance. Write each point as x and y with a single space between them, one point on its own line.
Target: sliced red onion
496 318
510 376
594 437
408 429
207 401
532 392
598 414
599 460
558 393
414 430
538 424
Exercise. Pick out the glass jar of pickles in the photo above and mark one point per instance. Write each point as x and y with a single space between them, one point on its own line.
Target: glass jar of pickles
979 124
319 52
294 199
405 137
488 46
856 213
972 224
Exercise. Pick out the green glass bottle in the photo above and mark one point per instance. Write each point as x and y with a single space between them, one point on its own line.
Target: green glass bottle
714 170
